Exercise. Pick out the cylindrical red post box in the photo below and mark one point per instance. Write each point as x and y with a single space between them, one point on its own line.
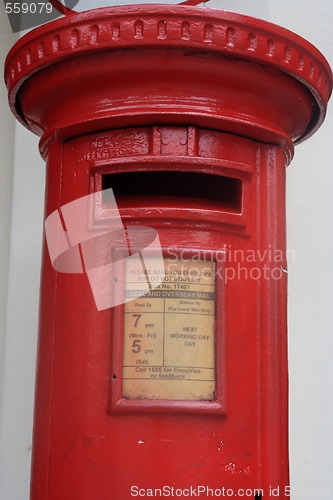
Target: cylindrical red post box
190 116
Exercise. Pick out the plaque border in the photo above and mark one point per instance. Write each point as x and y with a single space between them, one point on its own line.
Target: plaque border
118 404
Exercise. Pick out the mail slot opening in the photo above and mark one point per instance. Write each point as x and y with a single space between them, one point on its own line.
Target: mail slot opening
175 188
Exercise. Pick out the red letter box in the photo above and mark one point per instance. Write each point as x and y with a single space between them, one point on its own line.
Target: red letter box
189 116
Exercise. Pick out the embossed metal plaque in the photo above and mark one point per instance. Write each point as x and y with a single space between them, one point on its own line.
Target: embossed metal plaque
169 344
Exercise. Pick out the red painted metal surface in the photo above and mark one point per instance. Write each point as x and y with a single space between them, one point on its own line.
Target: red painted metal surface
173 90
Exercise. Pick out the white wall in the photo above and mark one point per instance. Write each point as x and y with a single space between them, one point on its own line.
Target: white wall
22 192
7 126
310 236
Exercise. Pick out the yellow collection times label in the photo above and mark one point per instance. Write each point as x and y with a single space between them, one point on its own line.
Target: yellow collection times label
169 340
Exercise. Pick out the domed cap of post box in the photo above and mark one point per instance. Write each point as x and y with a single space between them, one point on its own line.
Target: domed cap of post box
128 66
